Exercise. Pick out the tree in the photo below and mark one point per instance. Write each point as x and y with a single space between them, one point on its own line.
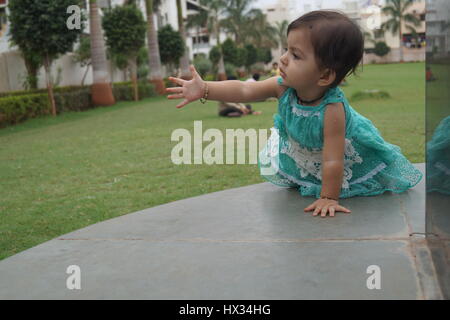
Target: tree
229 50
83 55
262 33
381 49
41 27
184 60
264 55
252 55
215 54
101 90
281 34
155 75
239 15
235 21
125 34
171 45
396 10
33 62
210 19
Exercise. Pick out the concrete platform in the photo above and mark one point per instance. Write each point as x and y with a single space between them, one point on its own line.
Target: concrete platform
253 242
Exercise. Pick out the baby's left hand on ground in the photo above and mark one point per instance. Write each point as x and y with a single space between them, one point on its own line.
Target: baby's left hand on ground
324 206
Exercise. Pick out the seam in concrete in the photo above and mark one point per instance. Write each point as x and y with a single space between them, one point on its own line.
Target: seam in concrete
412 252
237 240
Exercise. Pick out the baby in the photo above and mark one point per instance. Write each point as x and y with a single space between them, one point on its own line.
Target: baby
319 144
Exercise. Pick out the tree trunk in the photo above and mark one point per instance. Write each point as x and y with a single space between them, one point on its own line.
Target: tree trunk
401 38
101 88
184 60
155 74
133 68
32 71
222 73
49 84
85 74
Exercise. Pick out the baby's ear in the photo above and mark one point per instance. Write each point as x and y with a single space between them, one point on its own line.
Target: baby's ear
327 78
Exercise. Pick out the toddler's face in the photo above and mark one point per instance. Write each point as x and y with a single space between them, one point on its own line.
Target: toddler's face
298 64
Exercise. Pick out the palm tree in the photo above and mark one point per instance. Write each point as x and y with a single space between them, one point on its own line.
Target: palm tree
281 34
262 33
211 19
155 75
197 21
184 60
101 88
396 10
237 20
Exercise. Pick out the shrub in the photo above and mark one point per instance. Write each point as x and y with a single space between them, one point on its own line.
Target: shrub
18 106
15 109
123 91
381 49
202 65
230 69
370 94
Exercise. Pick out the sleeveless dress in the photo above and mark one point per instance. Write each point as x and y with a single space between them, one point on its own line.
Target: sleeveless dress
292 156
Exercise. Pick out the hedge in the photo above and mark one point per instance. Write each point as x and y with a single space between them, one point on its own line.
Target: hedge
17 106
15 109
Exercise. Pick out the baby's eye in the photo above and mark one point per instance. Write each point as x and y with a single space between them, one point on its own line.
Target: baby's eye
285 49
295 57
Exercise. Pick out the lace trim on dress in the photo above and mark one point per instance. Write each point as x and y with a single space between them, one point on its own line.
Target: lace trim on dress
310 161
380 167
295 180
304 113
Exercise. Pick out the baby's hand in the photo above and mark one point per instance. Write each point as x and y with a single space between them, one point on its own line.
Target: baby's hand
190 90
324 206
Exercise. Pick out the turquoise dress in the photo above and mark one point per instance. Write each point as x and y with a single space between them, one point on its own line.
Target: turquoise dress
292 156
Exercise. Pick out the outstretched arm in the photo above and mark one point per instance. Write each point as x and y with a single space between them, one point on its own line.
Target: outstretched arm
230 91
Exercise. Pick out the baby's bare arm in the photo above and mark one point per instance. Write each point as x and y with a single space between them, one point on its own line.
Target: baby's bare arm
333 150
229 91
239 91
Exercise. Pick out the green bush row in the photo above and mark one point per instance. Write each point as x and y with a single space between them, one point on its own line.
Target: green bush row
123 91
18 106
14 109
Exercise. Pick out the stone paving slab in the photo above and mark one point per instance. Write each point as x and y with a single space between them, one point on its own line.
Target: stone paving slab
253 242
112 269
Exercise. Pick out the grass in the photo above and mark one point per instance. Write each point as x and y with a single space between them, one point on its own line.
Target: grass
61 174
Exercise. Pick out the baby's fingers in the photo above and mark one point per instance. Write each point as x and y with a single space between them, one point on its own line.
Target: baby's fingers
175 90
331 211
176 96
181 105
341 208
177 80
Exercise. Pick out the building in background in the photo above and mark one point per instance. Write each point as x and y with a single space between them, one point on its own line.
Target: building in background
12 67
413 43
3 24
366 13
438 31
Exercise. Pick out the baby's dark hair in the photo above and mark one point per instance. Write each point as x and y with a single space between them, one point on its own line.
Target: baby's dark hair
337 41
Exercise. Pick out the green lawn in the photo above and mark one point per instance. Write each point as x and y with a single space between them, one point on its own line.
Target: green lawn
61 174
